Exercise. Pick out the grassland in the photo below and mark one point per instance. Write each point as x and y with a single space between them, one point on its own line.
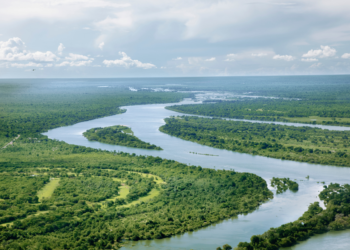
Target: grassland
48 189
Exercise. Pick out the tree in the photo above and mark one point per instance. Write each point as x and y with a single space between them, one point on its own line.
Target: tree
226 247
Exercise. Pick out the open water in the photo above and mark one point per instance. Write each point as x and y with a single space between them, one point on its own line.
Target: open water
145 121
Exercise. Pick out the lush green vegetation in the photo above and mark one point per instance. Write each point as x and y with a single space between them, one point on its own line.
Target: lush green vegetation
314 221
49 188
306 99
283 184
18 195
190 198
304 144
32 106
92 189
301 87
118 135
324 112
224 247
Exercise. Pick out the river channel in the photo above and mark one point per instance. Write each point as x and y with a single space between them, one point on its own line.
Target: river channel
145 121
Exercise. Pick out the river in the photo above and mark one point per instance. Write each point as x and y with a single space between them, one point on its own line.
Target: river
145 121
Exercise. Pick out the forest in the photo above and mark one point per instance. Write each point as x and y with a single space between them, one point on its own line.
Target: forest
89 209
60 196
325 112
305 144
303 99
315 220
34 107
283 184
118 135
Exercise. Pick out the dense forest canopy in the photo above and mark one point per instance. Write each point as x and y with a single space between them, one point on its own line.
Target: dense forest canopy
36 106
87 209
78 197
306 144
118 135
59 196
323 111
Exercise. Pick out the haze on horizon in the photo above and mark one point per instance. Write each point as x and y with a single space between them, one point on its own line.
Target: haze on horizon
102 38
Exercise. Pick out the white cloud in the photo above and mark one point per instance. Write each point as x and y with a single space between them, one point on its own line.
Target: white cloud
194 60
101 45
163 67
122 19
325 51
75 63
346 56
54 9
60 49
14 50
127 62
86 28
309 60
315 65
178 58
181 66
26 65
230 57
284 57
76 57
259 54
210 59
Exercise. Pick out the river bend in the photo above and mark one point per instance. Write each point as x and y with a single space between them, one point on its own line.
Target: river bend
145 121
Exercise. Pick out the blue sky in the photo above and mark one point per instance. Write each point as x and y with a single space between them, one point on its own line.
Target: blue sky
101 38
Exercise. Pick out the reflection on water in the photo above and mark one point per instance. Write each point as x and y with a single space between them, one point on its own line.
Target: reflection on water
145 121
338 240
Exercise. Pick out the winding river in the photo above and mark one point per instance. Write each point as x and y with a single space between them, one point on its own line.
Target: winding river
145 121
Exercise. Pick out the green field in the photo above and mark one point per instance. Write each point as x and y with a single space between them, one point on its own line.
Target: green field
48 189
124 191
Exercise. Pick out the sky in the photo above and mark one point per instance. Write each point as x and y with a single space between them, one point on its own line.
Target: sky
154 38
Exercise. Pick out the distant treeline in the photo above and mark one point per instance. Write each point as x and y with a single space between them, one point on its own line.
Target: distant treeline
36 109
304 144
273 110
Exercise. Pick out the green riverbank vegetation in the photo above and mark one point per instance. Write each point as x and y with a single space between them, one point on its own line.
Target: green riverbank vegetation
118 135
100 198
283 184
316 100
315 220
304 144
263 109
33 106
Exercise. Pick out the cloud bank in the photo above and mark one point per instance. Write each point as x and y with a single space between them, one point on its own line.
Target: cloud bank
127 62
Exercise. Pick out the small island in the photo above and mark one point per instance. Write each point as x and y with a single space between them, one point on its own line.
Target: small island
118 135
282 184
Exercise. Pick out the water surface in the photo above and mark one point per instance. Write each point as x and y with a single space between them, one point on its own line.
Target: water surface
145 121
